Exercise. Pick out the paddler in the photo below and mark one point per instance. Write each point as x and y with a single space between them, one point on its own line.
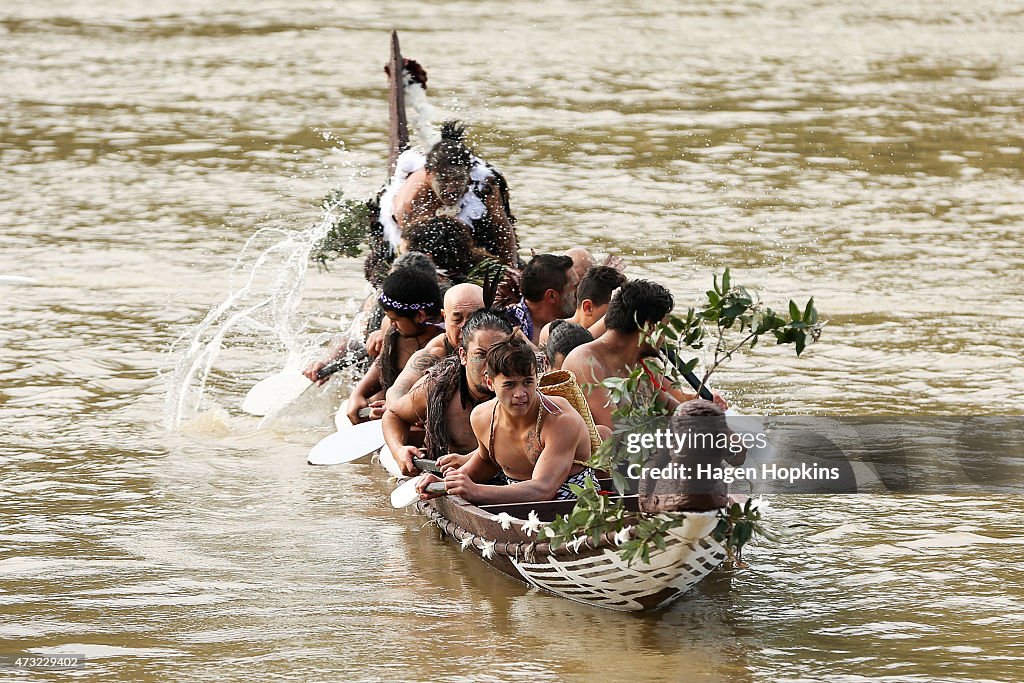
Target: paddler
412 303
621 348
449 181
444 398
459 303
539 444
593 295
548 287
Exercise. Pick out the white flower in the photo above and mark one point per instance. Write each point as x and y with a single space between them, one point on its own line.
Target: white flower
622 536
760 504
467 541
488 552
532 524
575 543
504 519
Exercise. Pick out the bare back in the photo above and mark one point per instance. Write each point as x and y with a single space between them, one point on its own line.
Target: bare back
416 200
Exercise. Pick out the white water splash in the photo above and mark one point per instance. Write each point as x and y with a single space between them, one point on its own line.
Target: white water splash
265 290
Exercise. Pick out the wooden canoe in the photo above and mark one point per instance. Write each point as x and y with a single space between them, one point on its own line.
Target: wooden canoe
590 573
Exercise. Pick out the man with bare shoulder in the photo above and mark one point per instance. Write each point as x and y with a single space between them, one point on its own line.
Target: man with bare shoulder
620 349
540 444
448 181
444 398
459 303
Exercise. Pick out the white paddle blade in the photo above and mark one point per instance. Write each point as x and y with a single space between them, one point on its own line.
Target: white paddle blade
388 462
348 445
406 494
341 417
275 391
753 430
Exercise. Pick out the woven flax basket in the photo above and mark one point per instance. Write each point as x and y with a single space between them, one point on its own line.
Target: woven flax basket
563 383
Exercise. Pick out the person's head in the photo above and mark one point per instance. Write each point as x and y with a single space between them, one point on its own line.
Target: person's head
563 337
550 279
582 260
416 260
512 374
483 329
409 298
448 164
459 303
638 303
448 242
595 290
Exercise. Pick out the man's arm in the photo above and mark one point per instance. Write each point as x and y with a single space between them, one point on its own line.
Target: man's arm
481 465
360 398
398 420
417 365
561 435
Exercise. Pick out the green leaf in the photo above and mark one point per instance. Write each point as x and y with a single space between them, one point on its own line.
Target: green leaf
725 281
794 310
809 311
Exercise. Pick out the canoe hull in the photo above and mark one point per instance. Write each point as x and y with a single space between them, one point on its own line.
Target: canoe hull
594 575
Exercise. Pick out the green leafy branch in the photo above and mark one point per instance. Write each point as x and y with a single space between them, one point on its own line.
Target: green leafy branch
348 232
733 318
733 312
596 514
736 526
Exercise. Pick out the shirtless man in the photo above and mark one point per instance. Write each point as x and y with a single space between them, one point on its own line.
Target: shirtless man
539 443
548 285
444 398
459 302
616 352
592 297
411 301
450 181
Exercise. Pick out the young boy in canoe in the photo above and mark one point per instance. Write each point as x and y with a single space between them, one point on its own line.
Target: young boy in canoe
539 443
445 397
412 302
622 348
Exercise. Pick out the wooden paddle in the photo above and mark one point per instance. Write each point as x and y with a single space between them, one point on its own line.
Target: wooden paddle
398 129
737 421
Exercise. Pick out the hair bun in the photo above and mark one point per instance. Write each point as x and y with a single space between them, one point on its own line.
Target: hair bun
453 130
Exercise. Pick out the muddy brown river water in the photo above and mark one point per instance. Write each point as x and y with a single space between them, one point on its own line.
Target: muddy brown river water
868 153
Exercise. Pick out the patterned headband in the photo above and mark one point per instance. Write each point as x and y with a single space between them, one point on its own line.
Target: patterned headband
399 306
